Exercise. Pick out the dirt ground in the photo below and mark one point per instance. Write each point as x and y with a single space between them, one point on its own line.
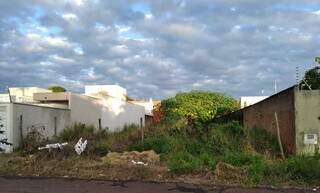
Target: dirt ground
54 185
127 166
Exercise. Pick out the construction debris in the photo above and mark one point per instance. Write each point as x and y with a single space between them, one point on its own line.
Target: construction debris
80 146
53 146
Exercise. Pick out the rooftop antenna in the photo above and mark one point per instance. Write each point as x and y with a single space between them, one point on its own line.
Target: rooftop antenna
275 86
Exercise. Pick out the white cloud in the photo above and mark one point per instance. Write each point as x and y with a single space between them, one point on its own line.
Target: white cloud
69 16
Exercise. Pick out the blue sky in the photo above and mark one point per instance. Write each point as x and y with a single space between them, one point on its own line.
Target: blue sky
158 48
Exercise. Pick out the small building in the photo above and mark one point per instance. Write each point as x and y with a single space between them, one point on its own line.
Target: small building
250 100
103 106
298 114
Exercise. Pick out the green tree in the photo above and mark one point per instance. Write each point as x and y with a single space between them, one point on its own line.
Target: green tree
312 78
197 106
56 88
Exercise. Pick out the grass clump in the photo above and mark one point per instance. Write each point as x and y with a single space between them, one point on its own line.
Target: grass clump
303 169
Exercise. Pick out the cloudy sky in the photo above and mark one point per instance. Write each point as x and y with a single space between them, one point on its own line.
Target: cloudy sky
157 48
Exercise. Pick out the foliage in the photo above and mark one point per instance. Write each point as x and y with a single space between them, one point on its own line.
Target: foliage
96 138
196 106
263 142
183 162
32 141
224 138
311 78
121 140
303 168
55 88
75 132
160 144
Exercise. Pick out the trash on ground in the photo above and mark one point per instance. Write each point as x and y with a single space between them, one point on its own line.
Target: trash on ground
53 146
138 163
80 146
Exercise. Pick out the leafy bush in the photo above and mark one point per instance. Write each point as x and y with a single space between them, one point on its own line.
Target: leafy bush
195 106
55 88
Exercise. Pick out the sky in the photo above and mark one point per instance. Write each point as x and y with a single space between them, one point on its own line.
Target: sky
157 48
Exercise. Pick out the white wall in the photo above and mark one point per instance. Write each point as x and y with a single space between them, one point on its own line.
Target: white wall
41 118
250 100
116 113
25 94
110 90
113 112
148 106
84 109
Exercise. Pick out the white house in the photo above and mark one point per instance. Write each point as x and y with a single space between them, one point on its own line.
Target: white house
102 106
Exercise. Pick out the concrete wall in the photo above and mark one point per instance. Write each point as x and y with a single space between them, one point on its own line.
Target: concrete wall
114 113
25 94
307 104
85 109
110 90
46 120
261 115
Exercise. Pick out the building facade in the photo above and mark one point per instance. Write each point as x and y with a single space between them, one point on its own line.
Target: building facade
298 114
104 107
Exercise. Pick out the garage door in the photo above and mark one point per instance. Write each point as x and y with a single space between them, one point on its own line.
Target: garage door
3 127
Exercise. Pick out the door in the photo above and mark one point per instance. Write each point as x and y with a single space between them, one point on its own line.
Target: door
3 128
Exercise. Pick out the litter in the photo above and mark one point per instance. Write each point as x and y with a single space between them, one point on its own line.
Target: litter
53 146
80 146
138 163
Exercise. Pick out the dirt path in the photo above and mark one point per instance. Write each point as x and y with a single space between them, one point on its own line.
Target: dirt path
58 185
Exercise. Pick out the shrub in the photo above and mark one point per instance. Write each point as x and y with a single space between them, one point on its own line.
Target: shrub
55 88
195 106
